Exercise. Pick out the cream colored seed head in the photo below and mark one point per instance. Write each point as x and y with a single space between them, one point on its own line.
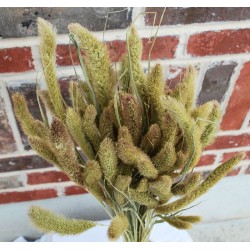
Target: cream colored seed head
47 222
108 159
118 226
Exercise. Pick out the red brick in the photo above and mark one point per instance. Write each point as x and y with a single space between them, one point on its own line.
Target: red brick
116 50
73 190
47 177
163 48
219 43
63 57
10 197
232 141
16 60
227 156
239 103
206 160
234 172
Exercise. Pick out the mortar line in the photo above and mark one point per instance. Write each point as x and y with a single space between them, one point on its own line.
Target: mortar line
41 186
64 70
29 171
18 154
218 159
140 23
36 58
204 168
144 31
245 124
243 169
195 28
226 150
181 48
200 78
234 132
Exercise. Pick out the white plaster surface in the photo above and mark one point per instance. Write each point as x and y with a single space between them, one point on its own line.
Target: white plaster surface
225 211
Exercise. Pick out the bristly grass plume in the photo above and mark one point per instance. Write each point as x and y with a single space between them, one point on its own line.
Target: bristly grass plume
125 139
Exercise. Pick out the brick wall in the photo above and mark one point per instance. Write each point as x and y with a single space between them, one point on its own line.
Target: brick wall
215 40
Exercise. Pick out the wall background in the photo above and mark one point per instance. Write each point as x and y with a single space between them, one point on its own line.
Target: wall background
215 40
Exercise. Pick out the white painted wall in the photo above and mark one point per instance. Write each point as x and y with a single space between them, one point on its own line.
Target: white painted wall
225 210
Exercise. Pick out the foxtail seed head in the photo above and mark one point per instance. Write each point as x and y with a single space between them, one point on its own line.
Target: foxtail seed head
48 221
118 226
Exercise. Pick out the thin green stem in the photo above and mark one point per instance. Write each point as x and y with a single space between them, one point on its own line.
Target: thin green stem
90 87
152 46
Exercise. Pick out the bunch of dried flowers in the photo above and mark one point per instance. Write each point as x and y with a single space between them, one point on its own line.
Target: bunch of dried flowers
127 138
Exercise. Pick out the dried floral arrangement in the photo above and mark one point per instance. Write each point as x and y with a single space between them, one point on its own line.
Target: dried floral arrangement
127 138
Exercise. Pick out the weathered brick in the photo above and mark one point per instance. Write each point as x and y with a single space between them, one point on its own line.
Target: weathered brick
7 142
15 181
16 60
181 15
29 91
227 156
22 163
66 54
219 43
216 82
73 190
230 141
239 103
47 177
21 22
11 197
206 160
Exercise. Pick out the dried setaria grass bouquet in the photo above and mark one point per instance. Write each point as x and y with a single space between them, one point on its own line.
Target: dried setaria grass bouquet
127 138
